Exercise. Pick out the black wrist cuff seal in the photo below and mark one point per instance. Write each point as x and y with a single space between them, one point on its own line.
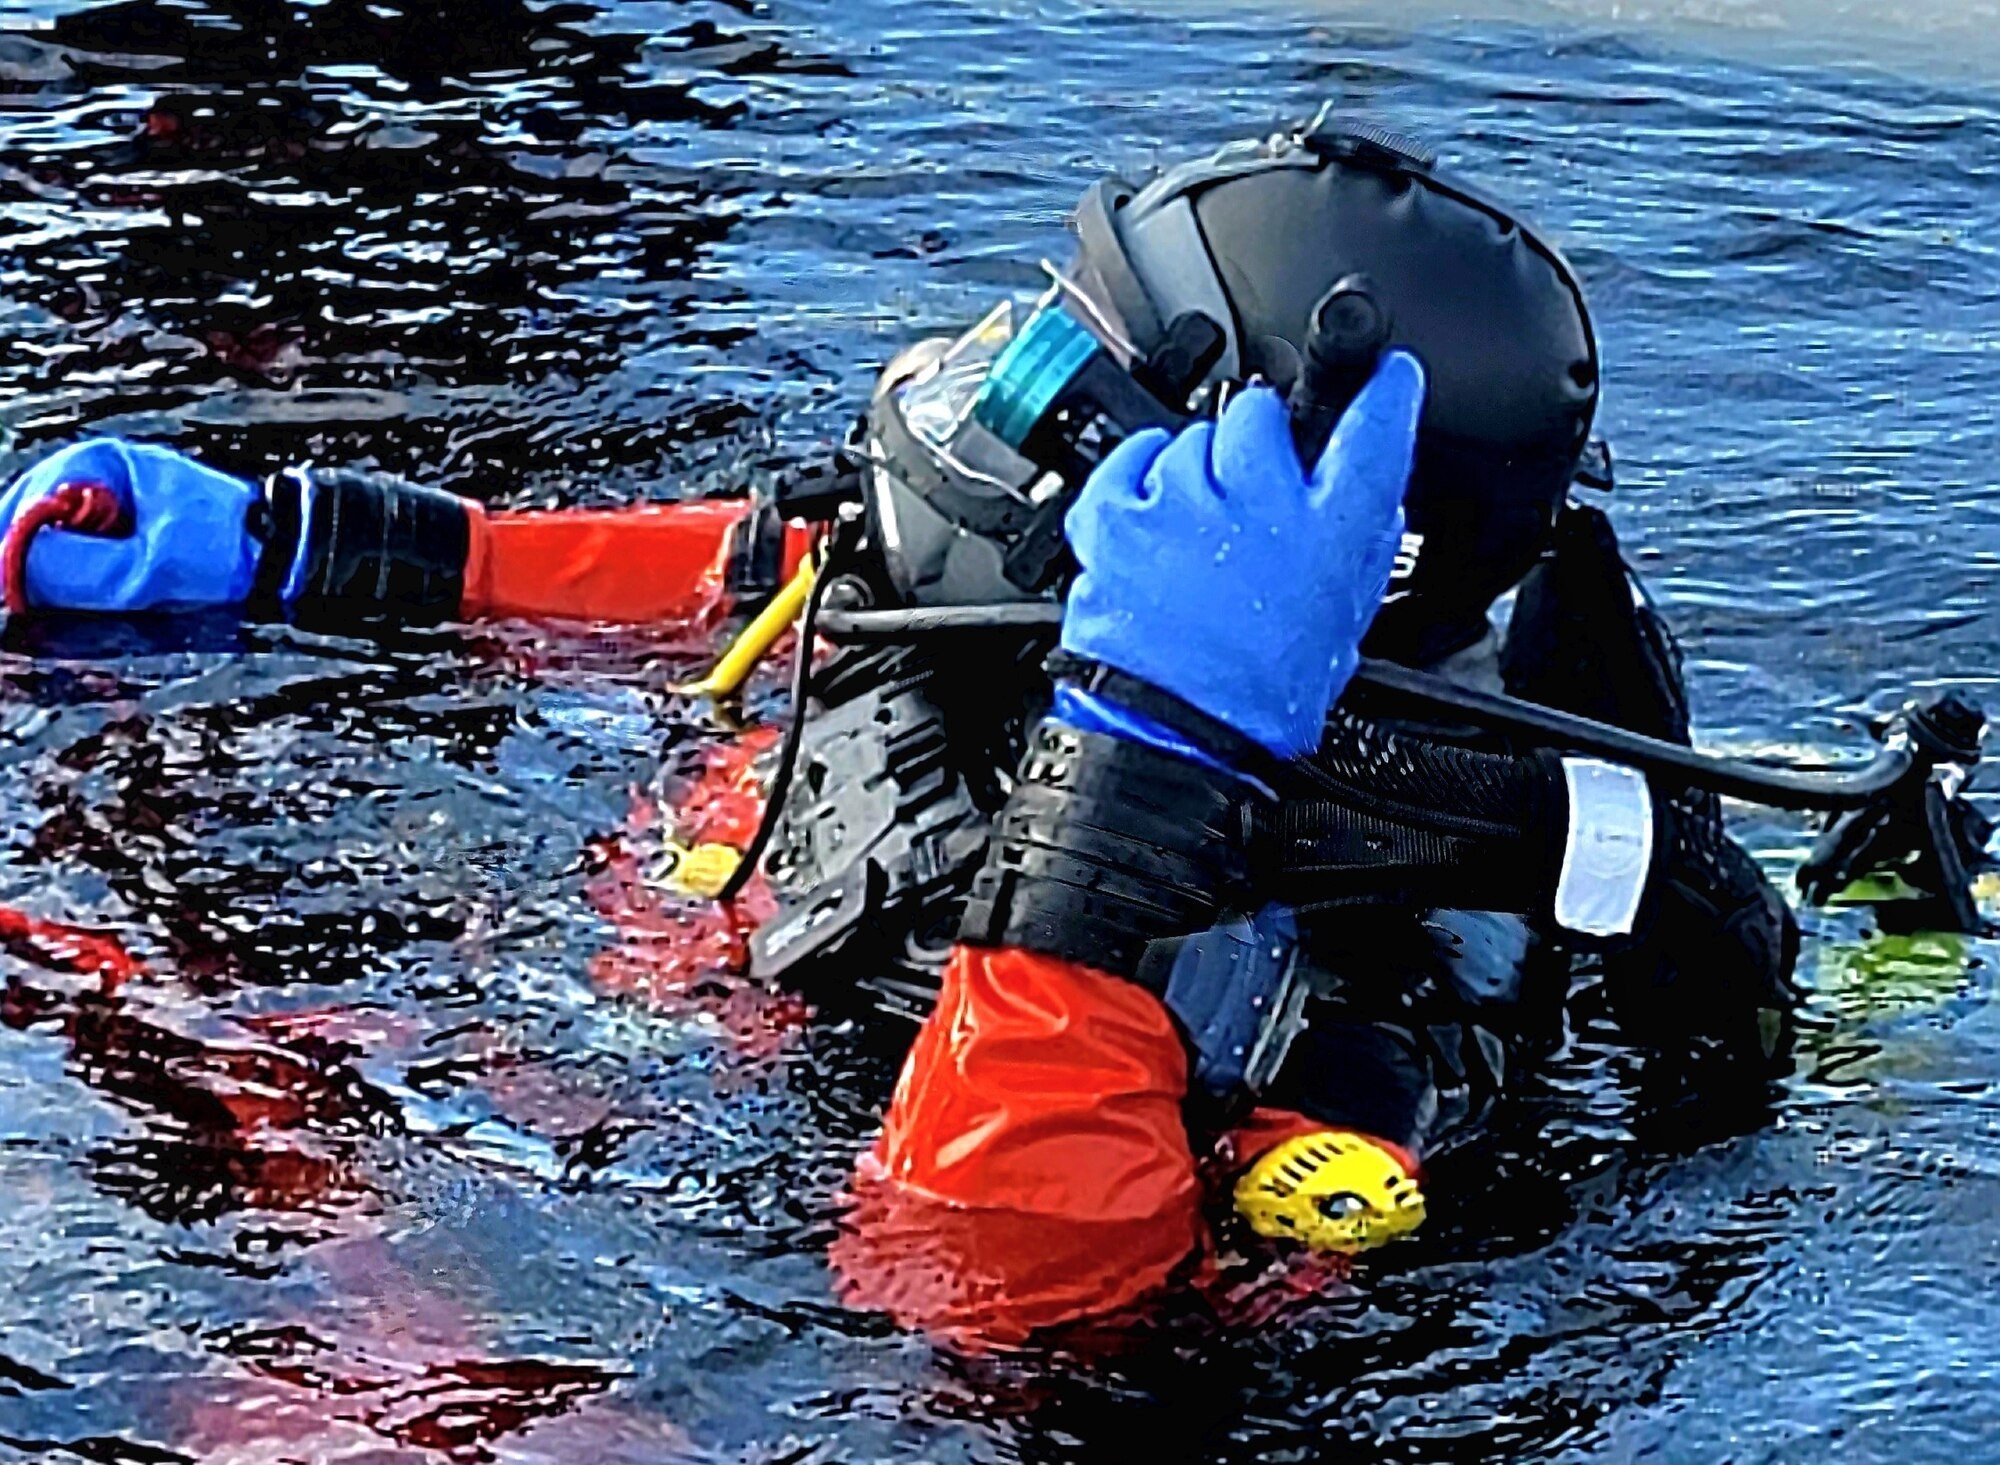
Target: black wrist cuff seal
367 540
1105 846
1197 727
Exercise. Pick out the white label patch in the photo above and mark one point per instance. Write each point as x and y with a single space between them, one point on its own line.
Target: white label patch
1404 565
1609 849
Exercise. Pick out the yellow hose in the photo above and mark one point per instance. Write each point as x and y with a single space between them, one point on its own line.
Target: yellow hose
733 670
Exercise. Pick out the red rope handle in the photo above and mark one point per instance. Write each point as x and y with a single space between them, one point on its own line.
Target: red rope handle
82 508
70 948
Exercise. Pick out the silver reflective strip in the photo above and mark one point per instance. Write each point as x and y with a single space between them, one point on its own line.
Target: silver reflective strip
1608 852
295 578
885 513
1172 262
1235 160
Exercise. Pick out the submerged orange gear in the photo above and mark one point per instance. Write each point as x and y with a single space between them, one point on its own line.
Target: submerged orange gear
1033 1167
656 884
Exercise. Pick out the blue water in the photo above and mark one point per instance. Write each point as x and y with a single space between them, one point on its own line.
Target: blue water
383 1161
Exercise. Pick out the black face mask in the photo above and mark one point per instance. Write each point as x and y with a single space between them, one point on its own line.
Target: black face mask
1256 235
1211 275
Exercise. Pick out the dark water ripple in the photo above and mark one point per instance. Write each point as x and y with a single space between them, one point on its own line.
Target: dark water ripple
403 1151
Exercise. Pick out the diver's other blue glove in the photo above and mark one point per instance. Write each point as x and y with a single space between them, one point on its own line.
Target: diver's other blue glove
1214 569
191 543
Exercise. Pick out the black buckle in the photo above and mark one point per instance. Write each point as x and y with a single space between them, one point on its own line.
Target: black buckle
1369 144
1595 469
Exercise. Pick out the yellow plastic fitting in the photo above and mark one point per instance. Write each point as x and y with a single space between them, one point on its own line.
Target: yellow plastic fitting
699 870
733 670
1333 1190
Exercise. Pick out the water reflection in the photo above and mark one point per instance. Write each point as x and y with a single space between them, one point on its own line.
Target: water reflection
430 1130
364 231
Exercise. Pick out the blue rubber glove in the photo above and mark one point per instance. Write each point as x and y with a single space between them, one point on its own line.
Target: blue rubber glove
1214 569
190 543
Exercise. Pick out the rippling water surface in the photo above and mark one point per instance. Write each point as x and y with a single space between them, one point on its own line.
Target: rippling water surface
407 1146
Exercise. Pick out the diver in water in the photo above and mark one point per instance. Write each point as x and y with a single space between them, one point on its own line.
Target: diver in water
1089 758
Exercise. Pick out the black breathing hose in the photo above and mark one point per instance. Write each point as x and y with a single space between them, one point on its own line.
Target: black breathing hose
1757 783
1837 788
788 750
938 620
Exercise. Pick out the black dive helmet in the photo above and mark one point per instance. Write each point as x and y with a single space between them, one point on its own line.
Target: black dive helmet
1211 274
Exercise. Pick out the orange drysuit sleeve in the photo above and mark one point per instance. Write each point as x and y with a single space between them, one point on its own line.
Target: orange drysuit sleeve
660 563
1033 1167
